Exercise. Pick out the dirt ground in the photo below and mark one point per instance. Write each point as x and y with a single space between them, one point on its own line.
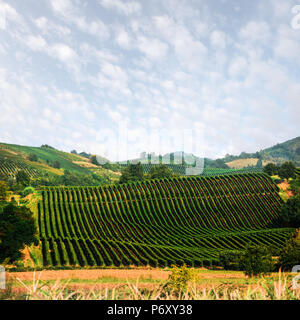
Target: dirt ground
154 274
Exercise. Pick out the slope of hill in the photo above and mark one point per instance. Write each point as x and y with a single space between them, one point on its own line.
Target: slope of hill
289 150
281 152
15 157
158 222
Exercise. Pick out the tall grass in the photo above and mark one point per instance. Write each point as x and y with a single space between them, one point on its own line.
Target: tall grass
279 288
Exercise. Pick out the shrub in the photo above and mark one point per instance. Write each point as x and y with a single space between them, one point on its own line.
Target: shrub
17 229
287 170
32 157
290 213
230 260
289 256
256 260
27 191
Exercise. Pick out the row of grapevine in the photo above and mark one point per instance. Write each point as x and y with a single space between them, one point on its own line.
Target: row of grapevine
10 168
158 222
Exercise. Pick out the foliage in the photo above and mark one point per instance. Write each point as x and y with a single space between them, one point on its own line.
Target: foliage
32 157
93 160
56 164
179 280
256 260
3 190
160 172
22 178
290 213
230 260
287 170
289 256
73 152
271 169
46 146
17 228
295 186
132 173
27 191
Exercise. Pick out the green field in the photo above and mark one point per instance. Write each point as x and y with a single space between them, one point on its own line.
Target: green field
158 222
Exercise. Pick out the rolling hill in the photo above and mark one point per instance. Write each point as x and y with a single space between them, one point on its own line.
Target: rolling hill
48 160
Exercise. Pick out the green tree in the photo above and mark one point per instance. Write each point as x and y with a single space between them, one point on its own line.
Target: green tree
290 213
3 191
134 172
32 157
289 256
17 229
287 170
56 164
259 163
22 178
160 172
256 260
271 169
93 160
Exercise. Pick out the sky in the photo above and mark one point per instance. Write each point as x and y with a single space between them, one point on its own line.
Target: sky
119 77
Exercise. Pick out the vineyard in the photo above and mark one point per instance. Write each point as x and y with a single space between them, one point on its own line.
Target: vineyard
158 222
206 172
10 168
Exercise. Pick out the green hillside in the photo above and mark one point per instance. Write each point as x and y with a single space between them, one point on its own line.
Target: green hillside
158 222
15 157
279 153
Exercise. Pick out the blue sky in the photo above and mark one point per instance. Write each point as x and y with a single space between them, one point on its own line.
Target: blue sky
116 78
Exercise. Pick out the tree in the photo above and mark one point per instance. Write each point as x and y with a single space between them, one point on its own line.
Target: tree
74 151
256 260
271 169
56 164
290 213
160 172
32 157
259 163
287 170
17 229
93 160
22 178
134 172
289 256
3 191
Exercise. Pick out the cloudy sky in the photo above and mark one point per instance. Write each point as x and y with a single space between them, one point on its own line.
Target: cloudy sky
118 77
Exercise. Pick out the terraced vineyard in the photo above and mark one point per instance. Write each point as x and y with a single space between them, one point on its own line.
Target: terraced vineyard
298 172
158 222
10 168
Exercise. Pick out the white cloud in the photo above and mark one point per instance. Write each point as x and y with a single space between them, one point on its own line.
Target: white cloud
124 7
256 31
218 39
238 67
123 39
36 43
153 48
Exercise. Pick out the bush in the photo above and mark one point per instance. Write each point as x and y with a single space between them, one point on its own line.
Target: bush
27 191
287 170
230 260
22 178
32 157
271 169
289 256
256 260
290 213
17 229
3 191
